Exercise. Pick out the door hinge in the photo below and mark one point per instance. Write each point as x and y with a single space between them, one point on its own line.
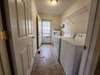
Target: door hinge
3 35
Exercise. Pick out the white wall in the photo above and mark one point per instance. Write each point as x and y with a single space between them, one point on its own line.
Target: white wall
56 21
76 17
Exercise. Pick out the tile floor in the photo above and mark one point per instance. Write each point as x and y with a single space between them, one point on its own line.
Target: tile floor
46 63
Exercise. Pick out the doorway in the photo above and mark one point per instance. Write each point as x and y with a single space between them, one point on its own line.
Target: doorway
46 31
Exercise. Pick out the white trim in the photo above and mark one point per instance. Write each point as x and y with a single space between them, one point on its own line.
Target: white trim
93 54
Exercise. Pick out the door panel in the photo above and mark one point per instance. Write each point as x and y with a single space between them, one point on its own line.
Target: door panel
22 36
28 16
30 54
21 17
24 57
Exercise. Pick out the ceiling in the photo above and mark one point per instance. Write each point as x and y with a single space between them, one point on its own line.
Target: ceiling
44 7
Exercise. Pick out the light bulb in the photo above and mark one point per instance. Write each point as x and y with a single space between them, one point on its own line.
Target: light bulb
54 2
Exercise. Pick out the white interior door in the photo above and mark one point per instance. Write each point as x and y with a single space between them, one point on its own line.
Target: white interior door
21 31
46 31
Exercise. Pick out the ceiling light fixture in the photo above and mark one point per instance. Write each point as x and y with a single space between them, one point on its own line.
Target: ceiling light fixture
54 2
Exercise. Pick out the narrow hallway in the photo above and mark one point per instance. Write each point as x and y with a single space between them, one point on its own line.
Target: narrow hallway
45 62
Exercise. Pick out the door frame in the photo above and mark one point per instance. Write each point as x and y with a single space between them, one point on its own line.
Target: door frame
92 55
9 34
37 32
50 29
93 52
6 35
